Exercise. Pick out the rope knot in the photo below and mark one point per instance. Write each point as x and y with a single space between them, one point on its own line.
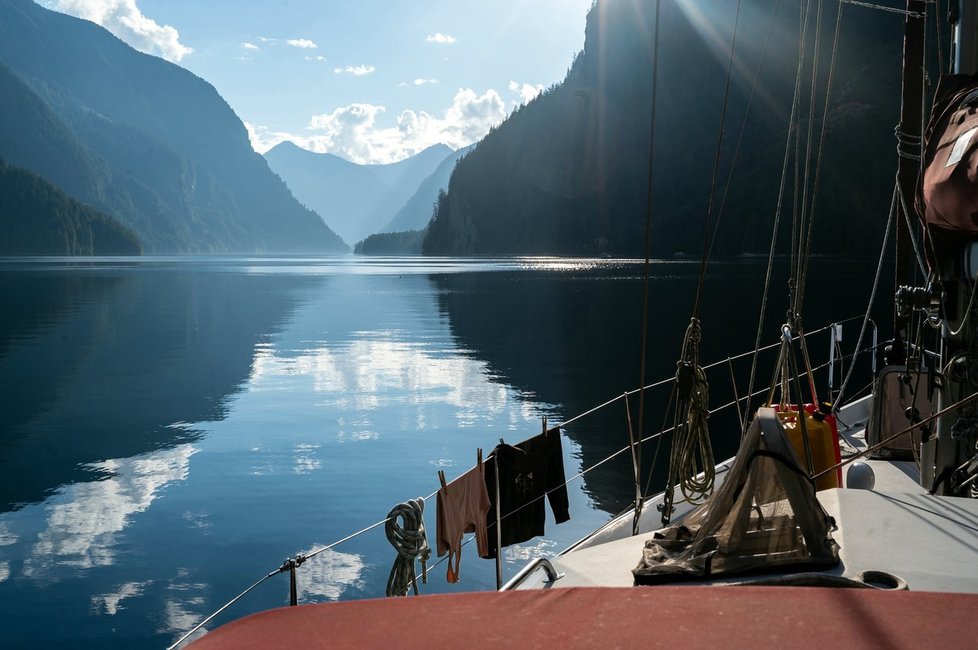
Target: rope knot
411 543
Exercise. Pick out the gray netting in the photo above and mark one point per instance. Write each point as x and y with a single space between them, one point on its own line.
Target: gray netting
764 516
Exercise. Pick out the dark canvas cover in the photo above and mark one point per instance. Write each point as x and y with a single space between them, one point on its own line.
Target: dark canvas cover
765 515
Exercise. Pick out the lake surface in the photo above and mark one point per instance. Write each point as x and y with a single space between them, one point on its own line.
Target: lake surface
173 428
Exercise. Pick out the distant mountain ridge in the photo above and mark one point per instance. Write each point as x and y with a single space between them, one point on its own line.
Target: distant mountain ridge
142 140
416 213
354 200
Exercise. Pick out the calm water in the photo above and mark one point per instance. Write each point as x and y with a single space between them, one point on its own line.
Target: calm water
173 428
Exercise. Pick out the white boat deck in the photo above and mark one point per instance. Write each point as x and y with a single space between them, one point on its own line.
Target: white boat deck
896 527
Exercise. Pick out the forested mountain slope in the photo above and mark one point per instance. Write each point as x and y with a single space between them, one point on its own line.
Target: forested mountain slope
141 139
567 174
37 218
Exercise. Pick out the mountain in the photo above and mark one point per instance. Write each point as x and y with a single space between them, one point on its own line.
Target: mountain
354 200
416 213
567 174
405 242
37 218
141 139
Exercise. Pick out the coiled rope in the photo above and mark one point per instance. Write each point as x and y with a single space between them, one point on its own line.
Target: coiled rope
692 453
411 543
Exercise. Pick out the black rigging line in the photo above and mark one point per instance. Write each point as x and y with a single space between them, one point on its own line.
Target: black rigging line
648 248
716 168
803 17
806 257
743 126
805 217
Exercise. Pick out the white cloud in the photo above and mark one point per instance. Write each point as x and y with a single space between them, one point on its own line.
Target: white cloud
302 43
264 138
249 46
124 19
315 58
358 71
423 82
265 39
525 91
438 37
353 131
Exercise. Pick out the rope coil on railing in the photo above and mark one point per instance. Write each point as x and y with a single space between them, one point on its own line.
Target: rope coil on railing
691 461
411 544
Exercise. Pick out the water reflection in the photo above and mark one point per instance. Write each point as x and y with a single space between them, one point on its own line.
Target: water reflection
111 603
101 365
84 519
329 575
182 605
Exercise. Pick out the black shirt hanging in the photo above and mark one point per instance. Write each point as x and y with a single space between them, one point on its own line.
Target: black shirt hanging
526 472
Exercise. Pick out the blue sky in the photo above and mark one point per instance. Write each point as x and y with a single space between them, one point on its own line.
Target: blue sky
371 80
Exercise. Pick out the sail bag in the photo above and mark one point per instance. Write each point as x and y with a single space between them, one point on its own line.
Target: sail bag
948 199
764 516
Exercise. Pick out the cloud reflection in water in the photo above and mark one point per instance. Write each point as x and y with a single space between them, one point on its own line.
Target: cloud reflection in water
376 370
328 575
84 519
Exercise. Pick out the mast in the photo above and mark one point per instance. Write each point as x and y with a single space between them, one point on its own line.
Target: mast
909 134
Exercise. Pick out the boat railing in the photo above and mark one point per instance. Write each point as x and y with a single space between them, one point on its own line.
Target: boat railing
292 564
530 569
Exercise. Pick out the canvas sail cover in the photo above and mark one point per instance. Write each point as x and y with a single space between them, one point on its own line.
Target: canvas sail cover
948 199
764 516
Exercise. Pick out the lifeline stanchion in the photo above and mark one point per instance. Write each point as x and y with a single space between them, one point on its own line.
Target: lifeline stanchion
499 531
290 565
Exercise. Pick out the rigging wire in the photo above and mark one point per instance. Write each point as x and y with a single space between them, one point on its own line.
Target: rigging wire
882 443
921 261
804 215
870 5
228 604
967 312
743 126
648 252
692 452
716 168
872 298
806 256
792 130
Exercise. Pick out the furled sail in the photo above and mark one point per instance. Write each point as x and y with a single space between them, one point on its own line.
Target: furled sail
948 201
